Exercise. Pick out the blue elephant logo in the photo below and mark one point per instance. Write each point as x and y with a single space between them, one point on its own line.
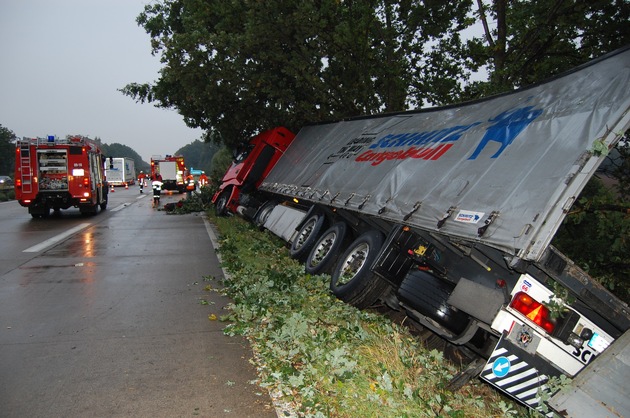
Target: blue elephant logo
505 128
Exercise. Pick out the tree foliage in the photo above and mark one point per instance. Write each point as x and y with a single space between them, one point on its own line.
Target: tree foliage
198 155
597 235
7 152
235 68
527 41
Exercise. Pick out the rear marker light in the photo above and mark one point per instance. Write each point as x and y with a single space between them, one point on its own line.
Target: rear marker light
533 310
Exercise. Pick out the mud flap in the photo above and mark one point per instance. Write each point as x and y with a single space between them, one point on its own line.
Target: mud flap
519 373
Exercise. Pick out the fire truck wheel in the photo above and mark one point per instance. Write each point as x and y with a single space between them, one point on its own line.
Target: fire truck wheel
89 210
220 206
307 236
263 213
39 213
326 250
353 280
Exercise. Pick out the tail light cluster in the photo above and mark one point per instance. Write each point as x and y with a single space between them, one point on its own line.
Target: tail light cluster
534 311
561 328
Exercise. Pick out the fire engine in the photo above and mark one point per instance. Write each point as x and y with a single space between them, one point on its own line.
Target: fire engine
172 169
55 173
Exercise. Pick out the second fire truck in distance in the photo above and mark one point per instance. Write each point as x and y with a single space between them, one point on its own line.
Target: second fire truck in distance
172 169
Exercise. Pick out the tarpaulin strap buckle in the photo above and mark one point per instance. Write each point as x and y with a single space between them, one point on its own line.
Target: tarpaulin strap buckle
384 208
493 215
447 215
364 201
413 210
349 199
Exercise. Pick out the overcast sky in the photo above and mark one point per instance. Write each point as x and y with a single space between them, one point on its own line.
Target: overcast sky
62 63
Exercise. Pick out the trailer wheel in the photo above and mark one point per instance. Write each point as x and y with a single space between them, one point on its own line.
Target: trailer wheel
306 236
263 213
353 280
220 206
326 250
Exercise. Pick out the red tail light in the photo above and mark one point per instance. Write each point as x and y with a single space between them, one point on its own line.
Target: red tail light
533 310
86 181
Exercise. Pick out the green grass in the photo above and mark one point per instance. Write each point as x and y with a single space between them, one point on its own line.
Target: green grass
326 357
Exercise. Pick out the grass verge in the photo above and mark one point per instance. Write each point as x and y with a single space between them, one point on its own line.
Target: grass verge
325 357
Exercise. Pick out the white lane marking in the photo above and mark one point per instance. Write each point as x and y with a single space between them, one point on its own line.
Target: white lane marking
117 208
141 196
52 241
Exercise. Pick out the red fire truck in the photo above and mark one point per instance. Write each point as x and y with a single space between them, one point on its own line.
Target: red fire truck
172 170
59 173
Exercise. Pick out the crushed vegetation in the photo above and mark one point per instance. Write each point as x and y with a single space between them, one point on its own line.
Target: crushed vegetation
193 202
327 358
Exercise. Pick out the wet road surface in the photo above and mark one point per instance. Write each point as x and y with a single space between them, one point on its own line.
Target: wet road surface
113 320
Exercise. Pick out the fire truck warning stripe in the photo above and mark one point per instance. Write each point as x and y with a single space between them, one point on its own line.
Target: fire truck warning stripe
54 240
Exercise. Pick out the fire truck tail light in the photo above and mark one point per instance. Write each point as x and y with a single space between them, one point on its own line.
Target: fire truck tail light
86 181
18 182
533 310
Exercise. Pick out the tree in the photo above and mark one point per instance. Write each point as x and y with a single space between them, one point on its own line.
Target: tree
596 234
7 151
220 163
119 151
236 68
199 155
536 39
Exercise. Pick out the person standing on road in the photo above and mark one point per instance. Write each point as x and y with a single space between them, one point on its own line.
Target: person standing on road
156 185
141 180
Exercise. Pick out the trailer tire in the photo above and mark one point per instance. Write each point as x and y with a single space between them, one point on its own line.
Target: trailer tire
307 236
262 214
325 252
220 206
353 280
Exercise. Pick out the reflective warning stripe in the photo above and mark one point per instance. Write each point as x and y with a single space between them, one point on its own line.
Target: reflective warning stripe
522 381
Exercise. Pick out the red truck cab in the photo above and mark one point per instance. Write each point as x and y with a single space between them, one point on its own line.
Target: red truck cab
250 167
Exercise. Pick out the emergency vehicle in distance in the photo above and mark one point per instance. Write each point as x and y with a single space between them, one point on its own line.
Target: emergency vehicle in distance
120 171
172 169
55 173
